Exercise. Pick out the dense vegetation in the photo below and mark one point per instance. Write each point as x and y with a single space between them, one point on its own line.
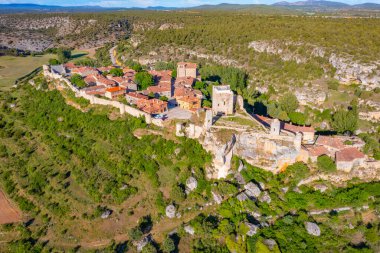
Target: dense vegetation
50 150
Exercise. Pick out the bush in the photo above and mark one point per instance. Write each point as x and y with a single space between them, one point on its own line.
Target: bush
78 81
325 163
297 118
116 72
345 120
289 103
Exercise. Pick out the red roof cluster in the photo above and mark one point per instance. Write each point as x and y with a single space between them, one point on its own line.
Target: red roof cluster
329 141
348 155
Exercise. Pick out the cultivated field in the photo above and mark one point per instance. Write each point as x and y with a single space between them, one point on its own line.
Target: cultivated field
8 213
12 67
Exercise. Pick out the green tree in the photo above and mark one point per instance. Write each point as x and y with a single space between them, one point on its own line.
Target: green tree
177 193
297 118
78 81
149 248
289 102
144 80
63 55
199 85
164 98
325 163
168 245
116 72
135 233
345 120
54 62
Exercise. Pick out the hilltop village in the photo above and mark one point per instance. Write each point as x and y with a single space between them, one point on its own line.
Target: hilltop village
224 129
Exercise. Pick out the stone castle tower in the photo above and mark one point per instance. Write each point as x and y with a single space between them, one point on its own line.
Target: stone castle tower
222 100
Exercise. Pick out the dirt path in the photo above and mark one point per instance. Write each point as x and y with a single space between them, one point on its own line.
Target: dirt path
9 213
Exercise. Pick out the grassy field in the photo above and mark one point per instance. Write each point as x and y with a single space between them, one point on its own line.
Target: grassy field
12 67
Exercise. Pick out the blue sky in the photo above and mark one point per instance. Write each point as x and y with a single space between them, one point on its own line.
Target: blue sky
145 3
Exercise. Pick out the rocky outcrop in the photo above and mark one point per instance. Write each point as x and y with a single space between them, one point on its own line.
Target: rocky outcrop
278 48
312 228
347 68
310 96
170 211
167 26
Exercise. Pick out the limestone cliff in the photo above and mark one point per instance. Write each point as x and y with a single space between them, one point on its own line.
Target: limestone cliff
347 68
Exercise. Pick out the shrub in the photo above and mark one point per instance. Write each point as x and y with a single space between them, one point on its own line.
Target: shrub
325 163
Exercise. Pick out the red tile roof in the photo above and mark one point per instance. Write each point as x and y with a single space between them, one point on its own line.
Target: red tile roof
189 65
69 65
158 88
329 141
188 80
90 79
136 95
114 89
296 129
348 155
183 92
317 151
152 106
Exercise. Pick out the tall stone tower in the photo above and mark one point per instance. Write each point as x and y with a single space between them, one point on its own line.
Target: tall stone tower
275 127
222 100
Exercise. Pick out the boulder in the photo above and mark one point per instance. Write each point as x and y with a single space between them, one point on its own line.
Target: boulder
242 196
253 229
265 197
217 198
241 166
142 243
171 211
239 178
106 214
252 190
312 228
270 243
189 229
191 184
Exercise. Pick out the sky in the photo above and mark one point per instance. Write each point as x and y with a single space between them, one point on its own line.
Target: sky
167 3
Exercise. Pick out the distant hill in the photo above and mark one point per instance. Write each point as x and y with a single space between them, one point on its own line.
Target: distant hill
279 7
325 5
21 8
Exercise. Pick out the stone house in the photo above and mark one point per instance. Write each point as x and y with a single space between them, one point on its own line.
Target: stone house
152 106
222 100
84 71
95 90
134 97
187 69
317 151
349 158
187 82
190 103
114 92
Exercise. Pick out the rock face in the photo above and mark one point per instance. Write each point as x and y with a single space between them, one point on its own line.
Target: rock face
252 190
253 229
222 155
347 68
171 211
310 96
189 229
270 243
217 198
312 228
191 184
265 197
